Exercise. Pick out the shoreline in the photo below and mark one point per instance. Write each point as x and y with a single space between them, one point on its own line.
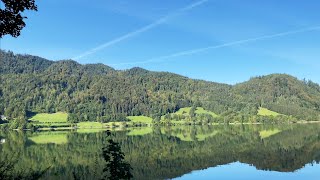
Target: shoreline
152 125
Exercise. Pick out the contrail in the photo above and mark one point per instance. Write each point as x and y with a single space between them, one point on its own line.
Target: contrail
141 30
194 51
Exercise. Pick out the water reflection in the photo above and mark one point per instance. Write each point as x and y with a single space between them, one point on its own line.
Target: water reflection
169 152
242 171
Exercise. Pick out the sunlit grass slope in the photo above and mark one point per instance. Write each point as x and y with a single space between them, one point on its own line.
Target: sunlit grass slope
50 118
267 112
140 119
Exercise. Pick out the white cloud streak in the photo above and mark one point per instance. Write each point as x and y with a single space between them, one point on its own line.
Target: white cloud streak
141 30
194 51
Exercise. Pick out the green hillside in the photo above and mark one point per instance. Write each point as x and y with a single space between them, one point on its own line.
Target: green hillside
99 93
283 94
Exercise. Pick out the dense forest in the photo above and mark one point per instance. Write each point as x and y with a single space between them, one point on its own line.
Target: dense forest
96 92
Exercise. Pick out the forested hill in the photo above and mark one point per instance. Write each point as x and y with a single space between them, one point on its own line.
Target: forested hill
96 92
282 93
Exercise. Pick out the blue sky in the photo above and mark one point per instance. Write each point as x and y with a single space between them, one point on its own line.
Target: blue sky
225 41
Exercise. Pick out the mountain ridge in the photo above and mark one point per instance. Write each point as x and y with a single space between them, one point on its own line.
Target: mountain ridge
133 69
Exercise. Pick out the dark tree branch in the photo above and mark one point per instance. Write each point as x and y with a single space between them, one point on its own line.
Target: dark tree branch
11 19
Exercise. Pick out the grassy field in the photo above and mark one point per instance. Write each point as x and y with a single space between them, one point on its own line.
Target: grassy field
59 117
267 133
140 119
267 112
46 138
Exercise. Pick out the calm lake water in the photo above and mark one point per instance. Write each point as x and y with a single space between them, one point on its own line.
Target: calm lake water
200 152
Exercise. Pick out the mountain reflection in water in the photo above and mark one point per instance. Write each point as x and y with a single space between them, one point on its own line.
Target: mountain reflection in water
170 152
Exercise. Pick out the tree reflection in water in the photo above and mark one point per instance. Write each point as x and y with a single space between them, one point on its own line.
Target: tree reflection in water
166 152
116 168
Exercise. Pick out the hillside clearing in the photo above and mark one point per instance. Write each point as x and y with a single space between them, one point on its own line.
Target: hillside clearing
267 112
58 117
140 119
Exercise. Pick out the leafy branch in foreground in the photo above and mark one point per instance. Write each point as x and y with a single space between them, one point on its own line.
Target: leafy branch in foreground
12 21
116 167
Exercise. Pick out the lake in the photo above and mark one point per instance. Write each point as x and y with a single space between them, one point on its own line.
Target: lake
185 152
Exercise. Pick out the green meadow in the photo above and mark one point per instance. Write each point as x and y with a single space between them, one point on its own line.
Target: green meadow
267 112
58 117
140 119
